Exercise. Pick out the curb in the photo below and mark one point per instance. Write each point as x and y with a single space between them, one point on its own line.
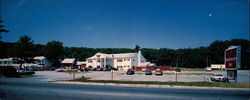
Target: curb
147 86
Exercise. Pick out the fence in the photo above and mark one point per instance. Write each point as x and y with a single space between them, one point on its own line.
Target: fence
138 68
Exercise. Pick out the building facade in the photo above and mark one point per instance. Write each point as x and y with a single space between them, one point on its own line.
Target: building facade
42 61
8 62
122 61
39 61
69 62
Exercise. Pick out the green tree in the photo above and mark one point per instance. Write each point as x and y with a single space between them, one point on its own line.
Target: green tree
216 51
2 30
54 52
24 49
150 54
165 56
137 48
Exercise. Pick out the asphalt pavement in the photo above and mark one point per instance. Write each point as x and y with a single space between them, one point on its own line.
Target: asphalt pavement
243 76
38 88
17 90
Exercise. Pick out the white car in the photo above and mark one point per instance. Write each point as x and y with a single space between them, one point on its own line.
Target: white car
157 69
218 77
61 70
208 69
143 69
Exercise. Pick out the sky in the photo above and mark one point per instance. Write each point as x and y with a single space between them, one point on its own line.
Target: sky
126 23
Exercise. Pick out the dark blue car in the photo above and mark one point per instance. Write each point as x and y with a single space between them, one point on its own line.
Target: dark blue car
148 72
130 72
25 72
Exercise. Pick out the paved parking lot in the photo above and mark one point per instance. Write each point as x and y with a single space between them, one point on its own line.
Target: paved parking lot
118 75
243 76
46 76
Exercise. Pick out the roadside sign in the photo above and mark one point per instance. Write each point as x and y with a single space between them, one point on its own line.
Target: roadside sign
232 61
232 58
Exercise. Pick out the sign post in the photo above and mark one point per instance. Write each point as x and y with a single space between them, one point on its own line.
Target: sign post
112 74
175 76
232 61
176 73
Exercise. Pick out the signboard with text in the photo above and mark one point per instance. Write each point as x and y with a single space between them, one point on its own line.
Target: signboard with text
232 58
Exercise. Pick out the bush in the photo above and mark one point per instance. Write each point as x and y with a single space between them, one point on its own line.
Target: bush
114 69
7 71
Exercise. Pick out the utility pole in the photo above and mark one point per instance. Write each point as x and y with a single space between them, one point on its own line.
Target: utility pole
73 75
207 61
177 61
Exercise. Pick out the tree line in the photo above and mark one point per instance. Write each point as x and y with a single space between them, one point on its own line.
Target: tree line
199 57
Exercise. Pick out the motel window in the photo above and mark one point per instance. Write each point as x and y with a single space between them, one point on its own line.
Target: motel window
89 61
126 59
119 60
119 66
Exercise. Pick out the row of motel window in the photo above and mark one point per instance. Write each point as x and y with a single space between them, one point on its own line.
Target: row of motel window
122 66
5 62
118 60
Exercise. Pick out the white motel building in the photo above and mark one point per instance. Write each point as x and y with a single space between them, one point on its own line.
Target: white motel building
122 61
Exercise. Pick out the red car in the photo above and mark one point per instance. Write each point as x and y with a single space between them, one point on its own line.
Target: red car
158 72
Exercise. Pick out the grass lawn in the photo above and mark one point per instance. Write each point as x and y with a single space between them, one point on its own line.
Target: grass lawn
172 73
200 84
26 76
19 76
189 69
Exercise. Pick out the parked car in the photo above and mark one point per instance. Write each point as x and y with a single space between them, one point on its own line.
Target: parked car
34 68
218 77
177 70
94 69
98 69
158 69
130 72
143 69
85 69
74 70
25 72
61 70
104 69
158 72
148 72
208 69
50 68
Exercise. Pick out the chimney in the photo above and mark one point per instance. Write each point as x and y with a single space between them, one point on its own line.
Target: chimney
139 58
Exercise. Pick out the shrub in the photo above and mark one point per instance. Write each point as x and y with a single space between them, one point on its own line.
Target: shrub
7 71
114 69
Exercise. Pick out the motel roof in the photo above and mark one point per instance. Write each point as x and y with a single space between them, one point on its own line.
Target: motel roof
120 55
68 61
81 62
39 57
